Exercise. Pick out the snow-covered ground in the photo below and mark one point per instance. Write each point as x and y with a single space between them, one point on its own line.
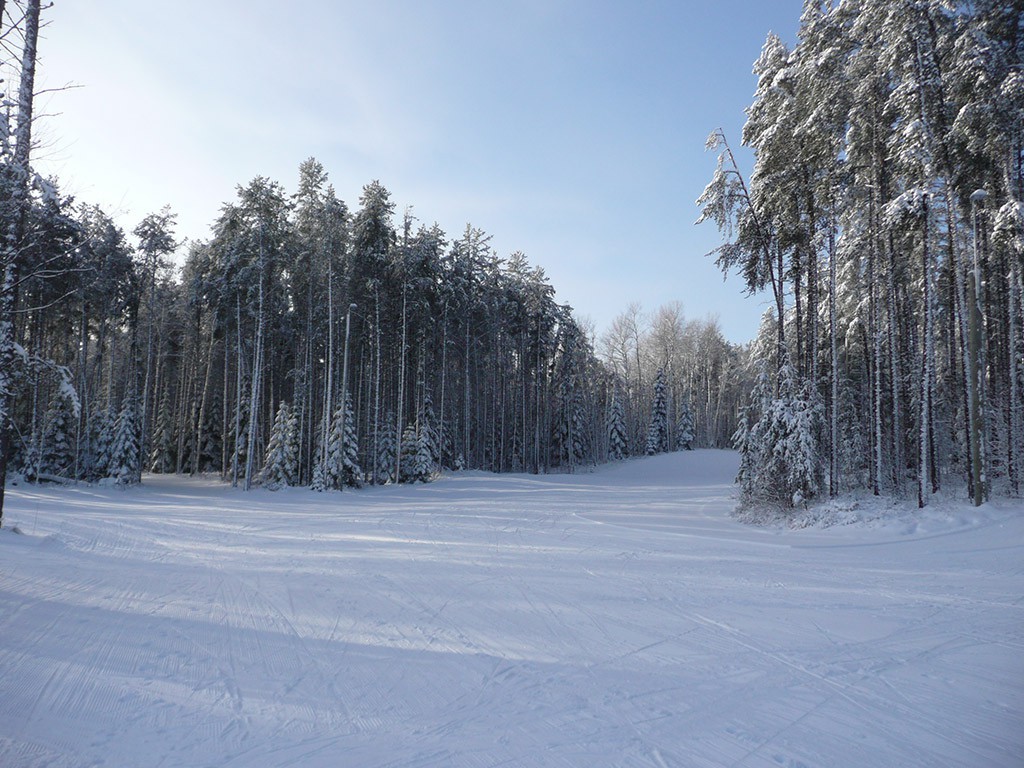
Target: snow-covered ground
614 618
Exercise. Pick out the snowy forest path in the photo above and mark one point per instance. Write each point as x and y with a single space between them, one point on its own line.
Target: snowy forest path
617 616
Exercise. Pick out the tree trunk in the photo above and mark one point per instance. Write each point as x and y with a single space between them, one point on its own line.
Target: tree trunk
974 376
927 365
1013 350
239 362
833 483
254 385
14 234
399 427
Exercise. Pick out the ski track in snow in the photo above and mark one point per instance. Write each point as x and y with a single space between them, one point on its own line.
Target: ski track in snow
618 617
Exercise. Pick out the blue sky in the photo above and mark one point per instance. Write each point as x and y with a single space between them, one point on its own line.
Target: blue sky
571 130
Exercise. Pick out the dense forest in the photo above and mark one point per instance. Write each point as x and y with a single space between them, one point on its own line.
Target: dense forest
884 215
306 343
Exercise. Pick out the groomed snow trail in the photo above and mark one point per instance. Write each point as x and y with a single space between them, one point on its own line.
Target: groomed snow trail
612 618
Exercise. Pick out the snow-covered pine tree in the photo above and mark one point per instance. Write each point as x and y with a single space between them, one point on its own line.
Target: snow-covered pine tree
125 463
281 464
618 444
684 427
657 433
57 449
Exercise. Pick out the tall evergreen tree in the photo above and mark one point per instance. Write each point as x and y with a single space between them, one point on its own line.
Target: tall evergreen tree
657 431
618 444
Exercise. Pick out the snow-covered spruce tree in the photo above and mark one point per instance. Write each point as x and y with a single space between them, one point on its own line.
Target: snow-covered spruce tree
342 466
745 443
125 462
210 442
387 451
102 426
618 445
57 448
780 456
684 427
428 430
280 466
570 427
657 432
448 459
854 456
318 477
240 426
161 457
423 464
30 460
415 457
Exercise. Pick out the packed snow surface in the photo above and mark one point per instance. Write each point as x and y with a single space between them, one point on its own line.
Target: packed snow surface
619 617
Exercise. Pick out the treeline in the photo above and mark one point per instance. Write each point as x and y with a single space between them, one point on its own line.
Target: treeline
884 215
304 344
307 345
